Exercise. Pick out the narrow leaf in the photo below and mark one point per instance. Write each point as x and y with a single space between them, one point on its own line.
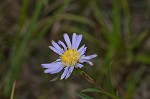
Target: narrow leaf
91 90
83 96
143 59
109 79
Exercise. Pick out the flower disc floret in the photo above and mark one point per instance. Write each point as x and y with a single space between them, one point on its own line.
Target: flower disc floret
70 57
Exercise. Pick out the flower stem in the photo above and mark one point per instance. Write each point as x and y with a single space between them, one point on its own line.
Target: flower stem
90 80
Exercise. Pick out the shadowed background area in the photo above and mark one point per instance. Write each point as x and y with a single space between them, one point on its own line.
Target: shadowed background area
117 30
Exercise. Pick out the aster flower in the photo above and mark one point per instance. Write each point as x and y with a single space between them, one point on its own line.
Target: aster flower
70 56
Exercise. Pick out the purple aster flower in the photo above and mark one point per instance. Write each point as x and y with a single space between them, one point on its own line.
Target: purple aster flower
70 56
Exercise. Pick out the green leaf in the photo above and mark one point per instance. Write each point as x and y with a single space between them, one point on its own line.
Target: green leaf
115 39
110 83
139 39
131 82
143 59
100 19
91 90
109 79
127 16
79 19
83 96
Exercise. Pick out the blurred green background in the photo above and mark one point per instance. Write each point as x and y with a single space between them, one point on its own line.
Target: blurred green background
117 30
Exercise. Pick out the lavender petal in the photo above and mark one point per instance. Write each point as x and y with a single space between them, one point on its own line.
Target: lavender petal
67 39
74 38
57 70
78 65
81 49
79 38
64 73
89 57
62 43
55 50
57 46
69 72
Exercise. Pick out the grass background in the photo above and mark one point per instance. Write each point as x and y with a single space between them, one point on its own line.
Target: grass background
118 31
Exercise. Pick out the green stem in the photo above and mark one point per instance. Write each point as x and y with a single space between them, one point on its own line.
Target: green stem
107 93
90 80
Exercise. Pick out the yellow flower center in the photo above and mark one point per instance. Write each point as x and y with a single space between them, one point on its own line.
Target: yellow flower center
70 57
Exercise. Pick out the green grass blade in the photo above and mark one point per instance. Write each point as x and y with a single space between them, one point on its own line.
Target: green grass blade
136 42
79 19
83 96
18 53
127 18
13 90
116 37
53 18
97 12
100 19
91 90
131 83
141 58
110 86
23 14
